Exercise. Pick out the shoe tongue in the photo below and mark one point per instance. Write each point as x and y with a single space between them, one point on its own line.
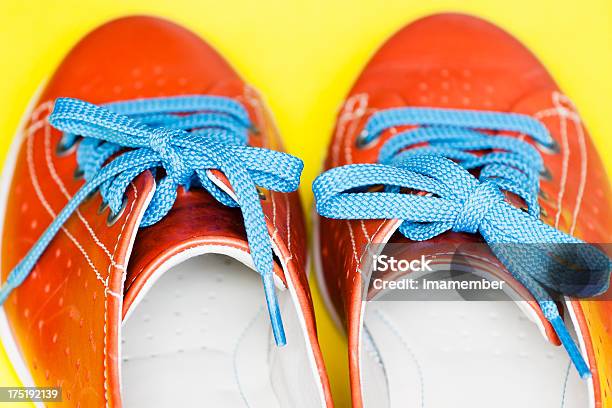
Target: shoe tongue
446 259
197 224
196 219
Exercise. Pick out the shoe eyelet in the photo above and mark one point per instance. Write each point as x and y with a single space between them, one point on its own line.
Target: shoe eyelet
78 173
113 218
254 130
361 142
554 148
546 175
262 194
543 195
64 150
90 195
103 206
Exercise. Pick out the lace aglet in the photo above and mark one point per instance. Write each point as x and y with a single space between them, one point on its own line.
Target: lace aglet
572 349
273 309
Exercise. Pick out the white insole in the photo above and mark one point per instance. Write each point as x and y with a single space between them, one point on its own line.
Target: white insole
201 338
477 354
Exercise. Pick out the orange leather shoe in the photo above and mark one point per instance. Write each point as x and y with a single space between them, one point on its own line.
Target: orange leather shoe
171 313
455 107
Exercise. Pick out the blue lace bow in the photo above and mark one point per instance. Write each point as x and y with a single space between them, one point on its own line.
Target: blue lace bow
186 137
419 159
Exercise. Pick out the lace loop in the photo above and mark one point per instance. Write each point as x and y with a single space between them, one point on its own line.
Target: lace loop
469 119
160 138
459 201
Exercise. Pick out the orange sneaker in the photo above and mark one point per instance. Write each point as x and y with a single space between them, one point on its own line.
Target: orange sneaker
146 286
455 135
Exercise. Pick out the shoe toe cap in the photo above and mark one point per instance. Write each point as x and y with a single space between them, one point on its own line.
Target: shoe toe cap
139 56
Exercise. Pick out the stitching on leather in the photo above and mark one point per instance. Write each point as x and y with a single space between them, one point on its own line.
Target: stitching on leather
44 106
370 239
348 113
37 125
45 203
565 165
251 96
583 176
105 351
563 113
374 235
559 99
365 231
121 233
62 187
361 111
354 245
552 112
357 258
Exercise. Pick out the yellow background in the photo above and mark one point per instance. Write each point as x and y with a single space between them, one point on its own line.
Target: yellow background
304 56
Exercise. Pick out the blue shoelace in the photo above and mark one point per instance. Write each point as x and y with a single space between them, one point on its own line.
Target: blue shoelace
179 139
435 158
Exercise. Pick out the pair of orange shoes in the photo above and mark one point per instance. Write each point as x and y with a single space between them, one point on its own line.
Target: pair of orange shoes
132 230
